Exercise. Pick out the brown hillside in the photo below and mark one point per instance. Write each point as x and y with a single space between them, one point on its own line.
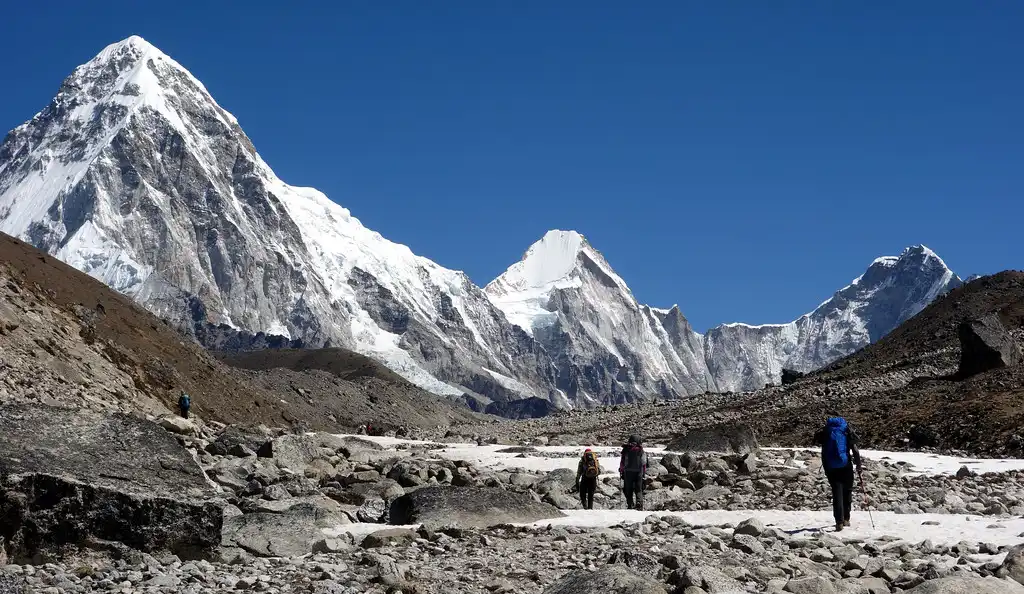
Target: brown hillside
900 391
66 338
932 332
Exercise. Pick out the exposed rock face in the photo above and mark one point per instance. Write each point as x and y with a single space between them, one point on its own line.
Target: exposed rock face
726 437
984 345
610 579
468 507
73 476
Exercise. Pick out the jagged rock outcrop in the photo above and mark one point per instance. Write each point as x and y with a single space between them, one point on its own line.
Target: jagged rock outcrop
985 345
72 477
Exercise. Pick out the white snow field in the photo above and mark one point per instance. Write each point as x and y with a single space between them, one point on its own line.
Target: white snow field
920 463
939 528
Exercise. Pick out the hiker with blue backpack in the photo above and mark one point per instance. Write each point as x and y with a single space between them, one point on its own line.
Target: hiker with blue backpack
184 404
839 454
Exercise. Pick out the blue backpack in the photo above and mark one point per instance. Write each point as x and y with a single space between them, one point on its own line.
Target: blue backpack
835 453
185 401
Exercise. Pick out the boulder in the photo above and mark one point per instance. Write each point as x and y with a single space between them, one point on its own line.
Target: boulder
610 579
750 527
810 585
984 345
236 440
790 376
1013 564
265 534
291 452
638 561
287 528
725 438
68 477
389 537
179 425
709 579
559 480
968 585
468 507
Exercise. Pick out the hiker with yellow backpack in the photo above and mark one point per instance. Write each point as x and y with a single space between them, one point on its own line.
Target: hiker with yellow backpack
586 477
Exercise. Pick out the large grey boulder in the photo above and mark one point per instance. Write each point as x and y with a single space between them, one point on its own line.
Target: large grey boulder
610 579
1013 564
725 437
968 585
468 507
559 480
68 477
285 528
984 345
291 452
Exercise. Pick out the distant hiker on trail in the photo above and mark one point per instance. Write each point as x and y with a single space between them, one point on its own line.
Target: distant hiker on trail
632 468
586 477
839 454
184 403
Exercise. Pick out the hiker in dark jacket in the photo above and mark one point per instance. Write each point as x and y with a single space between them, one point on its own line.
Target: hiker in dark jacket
184 403
839 454
632 468
587 472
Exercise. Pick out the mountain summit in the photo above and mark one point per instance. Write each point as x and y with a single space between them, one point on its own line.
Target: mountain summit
136 176
559 260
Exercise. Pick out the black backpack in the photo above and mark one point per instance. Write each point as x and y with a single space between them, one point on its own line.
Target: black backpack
634 457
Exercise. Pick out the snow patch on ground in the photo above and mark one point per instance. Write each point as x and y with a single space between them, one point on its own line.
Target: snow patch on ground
924 463
951 528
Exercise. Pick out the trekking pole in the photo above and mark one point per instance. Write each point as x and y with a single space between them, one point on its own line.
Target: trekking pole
864 495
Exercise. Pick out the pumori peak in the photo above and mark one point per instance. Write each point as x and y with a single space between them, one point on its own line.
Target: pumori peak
557 260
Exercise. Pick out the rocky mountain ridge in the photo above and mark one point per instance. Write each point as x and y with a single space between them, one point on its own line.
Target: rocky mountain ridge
568 297
136 176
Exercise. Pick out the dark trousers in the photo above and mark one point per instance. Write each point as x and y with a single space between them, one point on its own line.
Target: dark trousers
184 411
633 486
587 488
841 481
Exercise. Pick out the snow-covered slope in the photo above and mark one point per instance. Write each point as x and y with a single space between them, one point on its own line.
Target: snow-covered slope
606 346
136 176
565 294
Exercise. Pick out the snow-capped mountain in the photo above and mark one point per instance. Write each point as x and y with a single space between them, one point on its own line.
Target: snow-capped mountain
136 176
567 296
606 346
893 289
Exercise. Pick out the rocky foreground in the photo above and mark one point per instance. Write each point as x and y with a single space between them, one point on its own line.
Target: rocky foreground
120 503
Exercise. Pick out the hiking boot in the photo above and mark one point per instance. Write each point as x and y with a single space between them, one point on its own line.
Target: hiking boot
846 522
839 527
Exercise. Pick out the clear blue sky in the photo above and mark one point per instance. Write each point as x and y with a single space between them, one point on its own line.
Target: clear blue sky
744 159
